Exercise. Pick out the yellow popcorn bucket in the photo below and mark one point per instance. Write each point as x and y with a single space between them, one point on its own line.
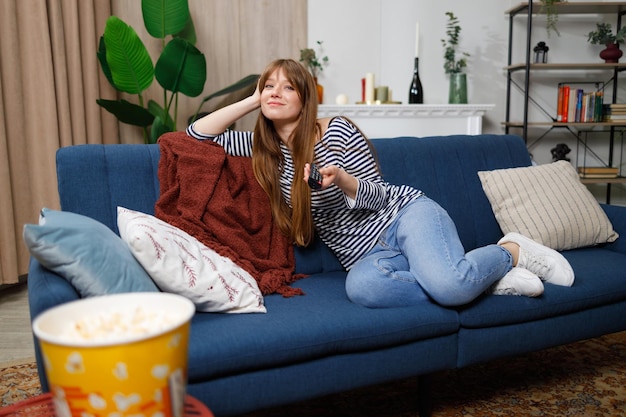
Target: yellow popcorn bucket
117 355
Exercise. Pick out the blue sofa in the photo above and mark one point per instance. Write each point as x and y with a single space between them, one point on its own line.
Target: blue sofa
321 343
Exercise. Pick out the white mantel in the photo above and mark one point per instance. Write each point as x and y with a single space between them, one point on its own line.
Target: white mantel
390 120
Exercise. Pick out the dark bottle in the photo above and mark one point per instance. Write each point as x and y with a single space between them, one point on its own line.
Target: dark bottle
416 93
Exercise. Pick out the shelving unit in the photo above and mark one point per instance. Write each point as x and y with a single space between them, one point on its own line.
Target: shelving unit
584 151
528 69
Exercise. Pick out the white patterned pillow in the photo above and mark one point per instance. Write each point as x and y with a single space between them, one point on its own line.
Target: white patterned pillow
548 204
179 263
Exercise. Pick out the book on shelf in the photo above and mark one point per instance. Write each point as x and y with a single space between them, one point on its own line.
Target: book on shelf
598 172
587 176
615 118
577 104
615 112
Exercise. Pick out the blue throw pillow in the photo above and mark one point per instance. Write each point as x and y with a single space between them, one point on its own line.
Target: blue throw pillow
87 253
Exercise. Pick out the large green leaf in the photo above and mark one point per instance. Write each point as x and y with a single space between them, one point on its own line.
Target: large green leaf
189 32
181 68
102 58
157 111
243 83
127 112
158 129
164 17
130 64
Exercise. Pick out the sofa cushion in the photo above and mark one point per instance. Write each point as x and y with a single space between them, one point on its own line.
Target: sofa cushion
321 323
86 253
547 203
445 168
600 280
95 179
180 264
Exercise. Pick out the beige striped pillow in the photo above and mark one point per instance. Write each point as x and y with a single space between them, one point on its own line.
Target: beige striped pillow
548 204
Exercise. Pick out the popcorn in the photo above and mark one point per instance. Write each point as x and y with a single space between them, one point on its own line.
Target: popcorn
121 324
117 355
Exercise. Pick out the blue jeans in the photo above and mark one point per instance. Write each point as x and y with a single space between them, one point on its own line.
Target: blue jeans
420 257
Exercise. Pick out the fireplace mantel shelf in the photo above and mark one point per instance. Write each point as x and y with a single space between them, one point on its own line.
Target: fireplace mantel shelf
387 120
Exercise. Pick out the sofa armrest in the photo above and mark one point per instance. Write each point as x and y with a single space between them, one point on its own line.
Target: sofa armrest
617 216
45 290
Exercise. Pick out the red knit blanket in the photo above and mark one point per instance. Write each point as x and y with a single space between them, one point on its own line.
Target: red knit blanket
216 198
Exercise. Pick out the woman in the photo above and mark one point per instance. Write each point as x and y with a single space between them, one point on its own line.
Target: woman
399 246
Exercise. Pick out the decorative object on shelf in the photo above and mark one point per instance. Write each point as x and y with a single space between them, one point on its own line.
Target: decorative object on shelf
341 99
315 65
452 66
458 88
541 53
382 94
549 7
559 152
611 54
603 35
416 92
370 92
320 91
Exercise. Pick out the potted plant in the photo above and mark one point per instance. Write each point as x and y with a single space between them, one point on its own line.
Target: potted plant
180 68
603 35
452 65
315 65
549 7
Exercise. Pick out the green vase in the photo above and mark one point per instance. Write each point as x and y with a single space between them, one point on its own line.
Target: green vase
458 89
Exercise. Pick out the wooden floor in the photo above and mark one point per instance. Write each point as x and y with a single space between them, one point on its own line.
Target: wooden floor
16 340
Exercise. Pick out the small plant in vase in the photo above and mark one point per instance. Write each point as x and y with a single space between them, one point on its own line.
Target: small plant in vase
452 65
603 35
315 65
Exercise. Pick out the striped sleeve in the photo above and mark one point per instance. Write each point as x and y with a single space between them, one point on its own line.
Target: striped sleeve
351 229
235 143
355 157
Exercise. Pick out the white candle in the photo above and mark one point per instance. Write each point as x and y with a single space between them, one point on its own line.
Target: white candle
369 87
417 39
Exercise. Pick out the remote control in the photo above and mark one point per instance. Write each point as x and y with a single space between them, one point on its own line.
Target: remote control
315 178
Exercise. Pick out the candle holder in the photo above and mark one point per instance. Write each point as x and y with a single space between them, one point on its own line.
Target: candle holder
541 53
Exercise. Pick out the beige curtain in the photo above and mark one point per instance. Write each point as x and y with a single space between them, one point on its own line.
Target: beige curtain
50 80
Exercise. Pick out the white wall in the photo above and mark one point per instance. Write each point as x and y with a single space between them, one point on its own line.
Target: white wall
361 36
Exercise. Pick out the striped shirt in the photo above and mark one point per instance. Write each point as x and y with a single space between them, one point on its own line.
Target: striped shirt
350 227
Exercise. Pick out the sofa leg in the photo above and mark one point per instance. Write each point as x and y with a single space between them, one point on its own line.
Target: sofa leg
424 403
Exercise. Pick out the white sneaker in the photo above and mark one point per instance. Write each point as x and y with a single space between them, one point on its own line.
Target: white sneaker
518 281
546 263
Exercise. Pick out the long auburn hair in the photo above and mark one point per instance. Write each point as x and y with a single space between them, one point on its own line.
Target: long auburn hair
297 221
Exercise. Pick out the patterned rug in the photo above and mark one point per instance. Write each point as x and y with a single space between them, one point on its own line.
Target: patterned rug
18 381
587 378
